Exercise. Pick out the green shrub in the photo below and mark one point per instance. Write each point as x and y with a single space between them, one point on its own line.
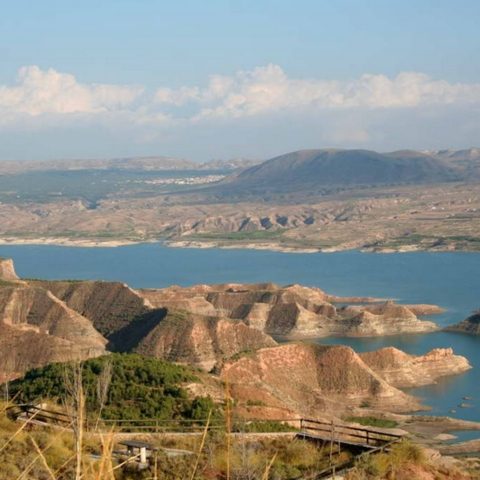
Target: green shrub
140 388
373 422
263 426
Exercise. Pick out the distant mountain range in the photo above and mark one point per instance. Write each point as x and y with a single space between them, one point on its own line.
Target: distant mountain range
153 163
312 169
302 170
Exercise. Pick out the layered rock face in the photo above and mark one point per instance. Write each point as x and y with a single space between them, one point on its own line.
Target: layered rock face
310 380
21 350
403 370
470 325
47 321
37 309
109 305
37 328
296 311
385 319
199 340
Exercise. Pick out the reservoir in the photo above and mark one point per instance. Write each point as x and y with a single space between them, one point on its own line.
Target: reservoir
450 280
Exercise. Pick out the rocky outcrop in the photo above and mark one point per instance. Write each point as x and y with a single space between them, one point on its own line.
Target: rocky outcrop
295 310
383 319
38 310
163 329
470 325
67 320
36 328
199 340
22 349
108 305
310 380
403 370
7 270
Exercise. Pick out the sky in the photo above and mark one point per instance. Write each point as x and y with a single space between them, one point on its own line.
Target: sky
211 79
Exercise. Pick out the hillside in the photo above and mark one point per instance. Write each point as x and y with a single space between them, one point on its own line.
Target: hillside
313 169
37 328
50 321
402 370
310 380
295 310
470 325
138 387
109 305
320 380
199 340
467 159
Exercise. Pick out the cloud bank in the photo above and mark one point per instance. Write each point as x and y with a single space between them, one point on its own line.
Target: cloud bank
269 89
50 92
263 99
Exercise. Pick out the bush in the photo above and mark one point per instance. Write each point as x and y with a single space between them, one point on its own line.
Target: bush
386 465
263 426
373 422
139 388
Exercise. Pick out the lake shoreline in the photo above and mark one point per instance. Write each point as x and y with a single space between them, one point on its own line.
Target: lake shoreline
196 244
418 278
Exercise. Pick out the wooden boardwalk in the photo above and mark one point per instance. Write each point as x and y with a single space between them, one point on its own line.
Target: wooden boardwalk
360 441
362 438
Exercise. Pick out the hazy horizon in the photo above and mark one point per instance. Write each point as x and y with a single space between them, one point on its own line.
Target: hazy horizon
242 79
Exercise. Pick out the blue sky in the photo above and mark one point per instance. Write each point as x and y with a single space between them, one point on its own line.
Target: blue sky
209 79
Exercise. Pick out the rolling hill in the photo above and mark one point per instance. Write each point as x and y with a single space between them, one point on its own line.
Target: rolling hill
321 169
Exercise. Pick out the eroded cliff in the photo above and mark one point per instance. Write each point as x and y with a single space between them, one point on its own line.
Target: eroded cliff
200 340
295 310
36 328
403 370
310 380
109 305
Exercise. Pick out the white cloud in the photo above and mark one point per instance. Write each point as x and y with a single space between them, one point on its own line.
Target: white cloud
254 113
263 90
50 92
269 89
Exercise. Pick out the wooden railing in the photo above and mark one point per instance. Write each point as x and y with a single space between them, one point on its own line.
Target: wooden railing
39 414
335 432
371 440
347 434
147 425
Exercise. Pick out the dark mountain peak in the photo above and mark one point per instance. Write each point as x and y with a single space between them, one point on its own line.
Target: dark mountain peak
307 170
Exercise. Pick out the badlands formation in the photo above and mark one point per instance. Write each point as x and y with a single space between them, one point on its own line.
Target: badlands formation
225 330
308 379
296 311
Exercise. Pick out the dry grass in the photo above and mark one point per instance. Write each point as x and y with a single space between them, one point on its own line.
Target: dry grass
29 452
405 461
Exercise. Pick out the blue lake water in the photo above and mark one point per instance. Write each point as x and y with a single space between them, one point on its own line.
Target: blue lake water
451 280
